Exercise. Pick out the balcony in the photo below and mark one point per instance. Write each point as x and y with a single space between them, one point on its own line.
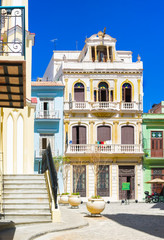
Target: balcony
104 148
102 106
46 114
107 106
130 106
12 57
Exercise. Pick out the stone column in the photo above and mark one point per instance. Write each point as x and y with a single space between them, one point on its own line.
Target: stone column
91 132
90 52
97 96
115 131
66 123
95 53
107 48
91 90
115 90
66 89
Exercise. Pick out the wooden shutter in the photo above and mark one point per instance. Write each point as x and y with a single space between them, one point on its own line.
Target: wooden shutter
103 133
82 135
127 135
79 94
74 135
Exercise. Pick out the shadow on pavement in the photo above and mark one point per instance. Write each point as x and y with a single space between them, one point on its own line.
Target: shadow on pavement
149 224
158 205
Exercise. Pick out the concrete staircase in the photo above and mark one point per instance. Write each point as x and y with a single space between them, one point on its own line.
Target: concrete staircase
25 199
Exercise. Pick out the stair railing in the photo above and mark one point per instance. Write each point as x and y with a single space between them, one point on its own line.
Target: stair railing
48 168
1 183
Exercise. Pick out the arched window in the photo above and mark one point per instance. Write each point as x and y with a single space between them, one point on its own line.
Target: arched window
126 92
103 93
127 135
79 135
103 133
79 92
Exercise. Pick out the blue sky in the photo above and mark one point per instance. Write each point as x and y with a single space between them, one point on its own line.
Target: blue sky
138 26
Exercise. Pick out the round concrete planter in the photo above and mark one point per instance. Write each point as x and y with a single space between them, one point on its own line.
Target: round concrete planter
95 206
64 199
74 200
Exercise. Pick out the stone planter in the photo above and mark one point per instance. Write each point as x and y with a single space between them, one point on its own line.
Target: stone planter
74 200
95 206
64 199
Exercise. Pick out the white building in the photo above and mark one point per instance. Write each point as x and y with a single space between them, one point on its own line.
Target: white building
102 116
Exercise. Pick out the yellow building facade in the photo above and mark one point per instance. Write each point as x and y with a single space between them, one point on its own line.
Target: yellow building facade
102 118
17 110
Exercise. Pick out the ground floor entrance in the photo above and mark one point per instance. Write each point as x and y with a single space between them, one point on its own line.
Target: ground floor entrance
126 175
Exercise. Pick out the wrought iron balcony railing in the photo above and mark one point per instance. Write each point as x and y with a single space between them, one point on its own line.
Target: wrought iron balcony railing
12 31
104 148
46 114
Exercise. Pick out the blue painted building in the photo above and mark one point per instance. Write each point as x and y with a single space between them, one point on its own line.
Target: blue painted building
48 121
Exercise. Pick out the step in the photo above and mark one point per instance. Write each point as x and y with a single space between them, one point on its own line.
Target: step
28 221
39 216
28 211
24 181
25 195
22 200
24 190
24 176
26 206
23 186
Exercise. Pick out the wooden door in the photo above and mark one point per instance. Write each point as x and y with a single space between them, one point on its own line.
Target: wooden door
157 173
82 135
156 144
79 135
127 174
103 133
127 135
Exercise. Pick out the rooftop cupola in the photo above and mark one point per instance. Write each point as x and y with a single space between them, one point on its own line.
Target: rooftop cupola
100 48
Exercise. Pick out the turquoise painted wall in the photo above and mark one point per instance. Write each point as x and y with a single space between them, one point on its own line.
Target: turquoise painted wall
49 126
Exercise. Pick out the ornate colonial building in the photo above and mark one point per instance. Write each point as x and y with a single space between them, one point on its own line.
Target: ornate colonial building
102 116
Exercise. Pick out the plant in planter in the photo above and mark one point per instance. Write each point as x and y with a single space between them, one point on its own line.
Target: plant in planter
96 204
64 198
74 199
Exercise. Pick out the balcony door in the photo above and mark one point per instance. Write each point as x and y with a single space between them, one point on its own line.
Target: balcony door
126 92
79 92
156 144
103 92
46 107
103 134
79 135
127 135
44 140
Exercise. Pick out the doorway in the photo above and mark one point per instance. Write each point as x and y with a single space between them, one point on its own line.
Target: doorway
127 175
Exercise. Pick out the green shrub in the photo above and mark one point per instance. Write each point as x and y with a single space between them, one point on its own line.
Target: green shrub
96 197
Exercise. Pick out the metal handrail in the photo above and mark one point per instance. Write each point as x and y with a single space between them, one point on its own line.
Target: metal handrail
48 165
1 183
12 31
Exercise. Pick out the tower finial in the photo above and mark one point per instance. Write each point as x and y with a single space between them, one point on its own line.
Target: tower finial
139 58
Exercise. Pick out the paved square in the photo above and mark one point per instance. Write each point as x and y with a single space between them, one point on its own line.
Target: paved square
138 221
